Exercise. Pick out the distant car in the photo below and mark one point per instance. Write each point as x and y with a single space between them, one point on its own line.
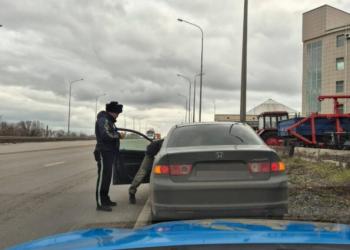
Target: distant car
212 170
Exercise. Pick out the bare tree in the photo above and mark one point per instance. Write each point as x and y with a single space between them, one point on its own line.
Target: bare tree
32 128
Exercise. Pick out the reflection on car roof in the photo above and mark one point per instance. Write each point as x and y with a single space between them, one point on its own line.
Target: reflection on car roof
209 123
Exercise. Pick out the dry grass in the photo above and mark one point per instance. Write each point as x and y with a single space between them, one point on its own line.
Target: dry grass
318 191
318 172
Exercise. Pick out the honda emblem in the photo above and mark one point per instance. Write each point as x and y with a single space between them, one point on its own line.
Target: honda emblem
219 155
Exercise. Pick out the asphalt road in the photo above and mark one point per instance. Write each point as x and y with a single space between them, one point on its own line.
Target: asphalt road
49 191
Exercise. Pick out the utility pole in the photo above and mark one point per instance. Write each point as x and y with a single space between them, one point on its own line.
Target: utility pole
244 65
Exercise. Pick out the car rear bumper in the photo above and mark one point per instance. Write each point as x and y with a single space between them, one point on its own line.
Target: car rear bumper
196 200
247 211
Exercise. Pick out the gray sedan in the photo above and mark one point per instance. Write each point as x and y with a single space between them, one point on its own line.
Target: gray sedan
208 170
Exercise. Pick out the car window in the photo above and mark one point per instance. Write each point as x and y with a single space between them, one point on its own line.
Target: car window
273 121
133 141
261 122
208 135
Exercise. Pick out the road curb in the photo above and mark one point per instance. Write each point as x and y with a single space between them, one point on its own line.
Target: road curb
144 217
43 149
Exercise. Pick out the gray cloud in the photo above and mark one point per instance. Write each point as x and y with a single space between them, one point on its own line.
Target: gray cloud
132 50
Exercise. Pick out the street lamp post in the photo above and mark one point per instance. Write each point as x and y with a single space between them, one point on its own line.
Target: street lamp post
201 73
98 96
70 96
194 95
185 104
189 95
214 104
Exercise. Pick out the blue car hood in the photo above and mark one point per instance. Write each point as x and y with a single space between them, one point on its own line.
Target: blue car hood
198 232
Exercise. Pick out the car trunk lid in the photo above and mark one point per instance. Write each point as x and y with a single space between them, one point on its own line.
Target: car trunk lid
220 163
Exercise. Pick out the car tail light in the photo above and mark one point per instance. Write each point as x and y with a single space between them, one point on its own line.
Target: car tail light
266 167
278 167
180 169
259 167
161 169
175 169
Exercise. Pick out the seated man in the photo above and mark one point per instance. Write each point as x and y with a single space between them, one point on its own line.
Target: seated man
145 168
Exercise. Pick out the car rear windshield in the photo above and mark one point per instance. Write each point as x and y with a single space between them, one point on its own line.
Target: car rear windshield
207 135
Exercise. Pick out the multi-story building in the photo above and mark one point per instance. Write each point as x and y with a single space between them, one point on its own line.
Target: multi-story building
326 51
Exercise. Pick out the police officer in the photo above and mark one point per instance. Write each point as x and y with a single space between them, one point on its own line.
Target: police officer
107 148
145 168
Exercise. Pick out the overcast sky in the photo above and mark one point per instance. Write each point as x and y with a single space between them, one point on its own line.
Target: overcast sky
132 50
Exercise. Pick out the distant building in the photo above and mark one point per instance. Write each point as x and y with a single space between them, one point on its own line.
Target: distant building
325 38
252 115
252 120
270 106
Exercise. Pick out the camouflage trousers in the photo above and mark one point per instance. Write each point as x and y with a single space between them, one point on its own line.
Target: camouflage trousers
144 170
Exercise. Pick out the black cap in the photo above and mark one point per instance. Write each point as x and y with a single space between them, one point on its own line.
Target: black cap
114 107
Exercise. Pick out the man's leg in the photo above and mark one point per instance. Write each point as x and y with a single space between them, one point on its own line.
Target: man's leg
109 201
104 178
99 176
144 169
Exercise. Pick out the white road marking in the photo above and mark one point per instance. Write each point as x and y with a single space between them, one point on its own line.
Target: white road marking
54 163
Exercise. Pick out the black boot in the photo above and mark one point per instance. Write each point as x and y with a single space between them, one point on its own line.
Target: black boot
104 208
132 198
110 203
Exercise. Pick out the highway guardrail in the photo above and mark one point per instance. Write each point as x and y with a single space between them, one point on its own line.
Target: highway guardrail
16 139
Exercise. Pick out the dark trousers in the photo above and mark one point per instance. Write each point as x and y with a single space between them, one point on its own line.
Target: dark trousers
105 163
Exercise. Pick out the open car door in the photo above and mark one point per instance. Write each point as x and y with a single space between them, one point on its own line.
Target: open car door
131 153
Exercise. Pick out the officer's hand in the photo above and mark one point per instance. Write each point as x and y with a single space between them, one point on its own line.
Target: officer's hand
115 130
